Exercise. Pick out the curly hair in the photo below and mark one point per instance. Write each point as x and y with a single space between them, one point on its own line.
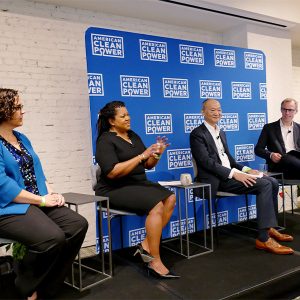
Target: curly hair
7 104
106 113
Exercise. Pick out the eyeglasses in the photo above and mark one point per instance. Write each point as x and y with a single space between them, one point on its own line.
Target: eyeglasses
287 110
18 107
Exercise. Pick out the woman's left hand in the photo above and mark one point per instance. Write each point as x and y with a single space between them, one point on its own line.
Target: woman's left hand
59 199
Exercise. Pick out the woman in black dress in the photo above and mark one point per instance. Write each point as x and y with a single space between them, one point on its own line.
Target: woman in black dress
123 157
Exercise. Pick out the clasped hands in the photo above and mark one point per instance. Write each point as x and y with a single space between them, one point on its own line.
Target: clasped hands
54 199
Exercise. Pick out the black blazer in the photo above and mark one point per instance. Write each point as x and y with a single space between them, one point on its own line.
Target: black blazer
205 153
271 140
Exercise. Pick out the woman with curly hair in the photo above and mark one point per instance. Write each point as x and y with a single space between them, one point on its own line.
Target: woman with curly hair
30 212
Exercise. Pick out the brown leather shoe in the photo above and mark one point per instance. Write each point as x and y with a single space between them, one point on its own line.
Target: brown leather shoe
272 246
273 233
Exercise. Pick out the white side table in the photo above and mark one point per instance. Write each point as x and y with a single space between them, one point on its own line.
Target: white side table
206 247
76 199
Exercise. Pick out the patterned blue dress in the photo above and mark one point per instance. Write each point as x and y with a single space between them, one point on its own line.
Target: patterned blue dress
26 167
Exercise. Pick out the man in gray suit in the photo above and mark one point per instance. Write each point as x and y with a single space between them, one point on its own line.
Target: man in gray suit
217 167
278 140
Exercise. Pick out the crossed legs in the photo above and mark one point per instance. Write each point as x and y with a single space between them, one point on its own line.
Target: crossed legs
156 220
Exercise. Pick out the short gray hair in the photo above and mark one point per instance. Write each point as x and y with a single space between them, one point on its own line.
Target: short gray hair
287 100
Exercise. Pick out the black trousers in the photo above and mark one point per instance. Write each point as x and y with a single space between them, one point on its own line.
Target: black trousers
289 165
53 237
266 191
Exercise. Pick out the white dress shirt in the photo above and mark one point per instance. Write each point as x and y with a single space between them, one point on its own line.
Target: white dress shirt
215 133
288 136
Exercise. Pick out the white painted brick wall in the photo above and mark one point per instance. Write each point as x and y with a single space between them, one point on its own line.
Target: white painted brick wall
42 54
296 83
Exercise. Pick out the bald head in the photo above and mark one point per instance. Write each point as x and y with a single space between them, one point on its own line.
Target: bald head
212 112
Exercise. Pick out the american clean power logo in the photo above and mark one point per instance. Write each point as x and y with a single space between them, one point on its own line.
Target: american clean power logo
224 58
175 88
192 55
210 89
256 121
95 82
179 158
192 121
244 152
242 213
229 122
158 123
135 86
136 236
153 50
241 90
176 230
263 91
107 45
253 61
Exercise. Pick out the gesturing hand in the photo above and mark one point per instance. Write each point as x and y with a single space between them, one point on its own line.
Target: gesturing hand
161 144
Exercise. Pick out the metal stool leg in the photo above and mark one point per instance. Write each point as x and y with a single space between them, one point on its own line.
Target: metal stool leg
292 199
217 222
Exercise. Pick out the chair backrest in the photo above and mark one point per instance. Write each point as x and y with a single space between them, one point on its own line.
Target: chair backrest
195 169
95 172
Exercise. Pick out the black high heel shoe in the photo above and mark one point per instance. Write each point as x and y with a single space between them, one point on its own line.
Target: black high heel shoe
146 256
169 275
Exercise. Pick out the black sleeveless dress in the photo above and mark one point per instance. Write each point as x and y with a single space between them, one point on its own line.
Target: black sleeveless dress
132 192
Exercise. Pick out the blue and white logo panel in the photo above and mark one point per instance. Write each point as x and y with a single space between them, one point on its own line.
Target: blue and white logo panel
105 244
229 122
256 121
107 45
253 61
263 91
95 82
175 88
158 123
210 89
242 213
244 152
153 50
135 86
176 230
224 58
192 121
192 55
136 236
222 219
179 158
241 90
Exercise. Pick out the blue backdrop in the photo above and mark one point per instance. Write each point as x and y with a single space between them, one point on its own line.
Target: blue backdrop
163 82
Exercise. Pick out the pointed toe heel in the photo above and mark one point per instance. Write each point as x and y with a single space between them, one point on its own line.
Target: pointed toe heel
169 275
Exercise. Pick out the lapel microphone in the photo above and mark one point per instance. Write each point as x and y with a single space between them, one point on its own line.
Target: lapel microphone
289 131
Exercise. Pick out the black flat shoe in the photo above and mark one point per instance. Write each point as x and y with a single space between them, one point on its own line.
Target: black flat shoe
169 275
146 256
